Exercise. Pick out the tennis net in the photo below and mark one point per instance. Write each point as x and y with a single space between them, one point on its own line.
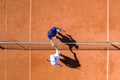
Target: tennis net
12 45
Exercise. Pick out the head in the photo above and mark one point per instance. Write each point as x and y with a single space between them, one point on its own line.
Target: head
51 32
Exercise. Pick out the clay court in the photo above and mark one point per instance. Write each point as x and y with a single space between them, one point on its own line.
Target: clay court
83 20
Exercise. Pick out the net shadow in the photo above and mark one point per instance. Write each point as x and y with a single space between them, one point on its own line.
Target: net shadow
117 47
1 47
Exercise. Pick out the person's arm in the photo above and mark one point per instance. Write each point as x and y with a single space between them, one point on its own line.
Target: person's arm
52 43
60 29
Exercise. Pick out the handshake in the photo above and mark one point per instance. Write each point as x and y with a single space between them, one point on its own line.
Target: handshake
54 45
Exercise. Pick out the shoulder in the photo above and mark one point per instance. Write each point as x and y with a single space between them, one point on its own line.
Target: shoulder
49 36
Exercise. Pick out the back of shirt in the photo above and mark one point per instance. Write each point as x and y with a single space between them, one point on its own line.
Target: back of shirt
52 59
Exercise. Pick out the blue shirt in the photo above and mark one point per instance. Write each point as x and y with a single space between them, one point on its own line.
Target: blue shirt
54 29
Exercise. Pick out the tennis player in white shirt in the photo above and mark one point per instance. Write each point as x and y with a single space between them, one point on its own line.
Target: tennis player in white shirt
54 58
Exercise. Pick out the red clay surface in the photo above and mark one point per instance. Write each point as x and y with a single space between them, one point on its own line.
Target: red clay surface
84 20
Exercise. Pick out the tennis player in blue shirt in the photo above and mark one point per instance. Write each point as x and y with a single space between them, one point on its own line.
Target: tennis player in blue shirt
52 34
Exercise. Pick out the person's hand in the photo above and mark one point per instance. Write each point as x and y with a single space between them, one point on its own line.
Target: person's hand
62 30
53 44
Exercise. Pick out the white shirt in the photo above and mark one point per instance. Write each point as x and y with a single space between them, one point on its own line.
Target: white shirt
54 58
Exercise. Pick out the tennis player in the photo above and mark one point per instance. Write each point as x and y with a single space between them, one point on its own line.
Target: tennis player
52 34
54 58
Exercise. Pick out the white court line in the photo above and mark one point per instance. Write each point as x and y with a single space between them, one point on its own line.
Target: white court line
107 64
6 26
30 21
108 34
30 39
108 27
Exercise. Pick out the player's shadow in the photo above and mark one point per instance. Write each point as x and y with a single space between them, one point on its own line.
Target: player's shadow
72 63
68 39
